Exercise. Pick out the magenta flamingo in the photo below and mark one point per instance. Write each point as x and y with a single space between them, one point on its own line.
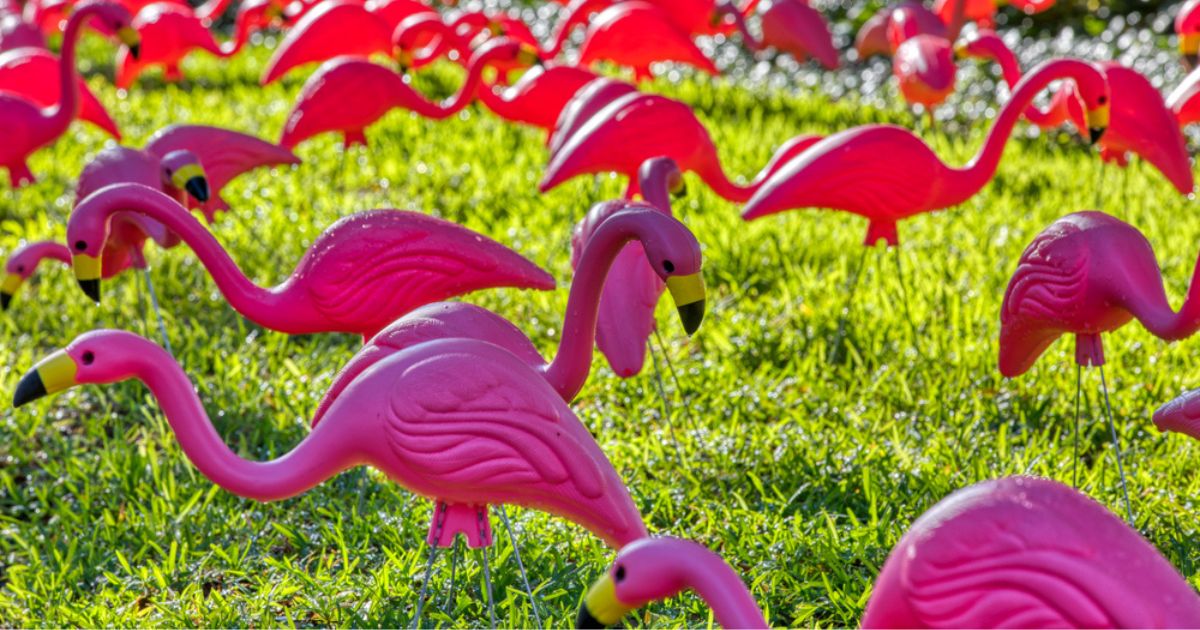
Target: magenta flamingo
588 100
789 26
31 73
636 34
26 125
538 97
359 275
677 262
872 38
885 173
654 569
1027 552
24 261
462 422
633 128
348 95
1187 29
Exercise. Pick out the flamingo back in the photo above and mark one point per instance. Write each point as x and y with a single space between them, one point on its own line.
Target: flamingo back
344 94
584 104
637 34
334 28
799 30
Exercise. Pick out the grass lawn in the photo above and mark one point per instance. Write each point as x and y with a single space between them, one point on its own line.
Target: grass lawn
802 473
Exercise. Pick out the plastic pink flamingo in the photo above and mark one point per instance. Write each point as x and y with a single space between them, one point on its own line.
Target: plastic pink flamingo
170 32
359 275
636 127
924 69
24 261
985 44
1087 274
348 95
25 125
1027 552
872 38
654 569
462 422
886 173
789 26
586 102
1187 29
31 73
636 34
538 97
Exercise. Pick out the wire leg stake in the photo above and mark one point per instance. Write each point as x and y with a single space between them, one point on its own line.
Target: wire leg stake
1112 427
520 565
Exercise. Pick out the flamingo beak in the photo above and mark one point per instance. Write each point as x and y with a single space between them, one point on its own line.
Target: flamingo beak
601 608
87 272
8 288
528 56
1097 122
191 177
130 38
404 59
960 51
678 187
52 374
1189 47
689 296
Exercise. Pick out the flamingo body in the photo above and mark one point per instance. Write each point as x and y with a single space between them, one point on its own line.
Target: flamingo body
539 96
335 28
636 34
1187 29
1184 100
794 27
30 74
17 33
588 100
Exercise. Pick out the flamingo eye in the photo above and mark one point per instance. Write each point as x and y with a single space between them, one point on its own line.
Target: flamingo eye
1102 100
20 268
80 245
88 357
668 266
620 574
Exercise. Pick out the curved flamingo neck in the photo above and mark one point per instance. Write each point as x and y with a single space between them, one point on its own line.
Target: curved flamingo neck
252 301
569 369
1003 56
314 460
48 250
978 172
212 9
739 19
654 183
241 36
62 113
466 93
724 592
503 105
1158 318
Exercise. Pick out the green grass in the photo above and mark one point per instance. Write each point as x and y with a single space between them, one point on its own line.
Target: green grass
801 473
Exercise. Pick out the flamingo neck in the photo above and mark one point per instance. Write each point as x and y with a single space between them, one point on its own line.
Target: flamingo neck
716 583
315 459
466 94
62 113
569 369
580 12
1009 67
654 186
970 179
1166 324
241 36
739 20
500 103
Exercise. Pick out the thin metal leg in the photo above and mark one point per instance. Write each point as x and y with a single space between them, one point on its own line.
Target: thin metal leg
1075 433
662 399
433 550
141 307
844 312
904 295
520 565
487 582
662 349
1112 427
162 328
453 575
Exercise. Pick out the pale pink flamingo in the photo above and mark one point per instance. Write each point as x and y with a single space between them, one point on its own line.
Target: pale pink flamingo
348 95
538 97
359 275
32 73
872 38
635 127
461 422
636 34
1187 29
788 26
27 126
23 261
886 173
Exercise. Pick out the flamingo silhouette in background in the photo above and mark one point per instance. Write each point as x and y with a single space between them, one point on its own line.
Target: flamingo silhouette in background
636 34
789 26
872 38
359 275
28 126
23 261
1187 29
986 44
586 102
1087 274
886 173
32 74
462 422
538 97
635 127
348 95
667 242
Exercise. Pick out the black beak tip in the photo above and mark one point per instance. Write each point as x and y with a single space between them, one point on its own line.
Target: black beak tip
681 192
5 300
198 188
135 51
91 288
29 389
1192 59
1095 133
585 619
691 315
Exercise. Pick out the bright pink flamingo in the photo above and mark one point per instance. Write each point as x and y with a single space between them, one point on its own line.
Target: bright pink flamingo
359 275
586 102
654 569
886 173
24 261
872 38
1027 552
636 34
348 95
1187 29
676 262
1087 274
170 32
25 125
538 97
462 422
636 127
31 73
986 44
789 26
924 68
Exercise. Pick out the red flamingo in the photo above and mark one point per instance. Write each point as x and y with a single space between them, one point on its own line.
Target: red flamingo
348 95
872 38
789 26
538 97
27 126
31 73
1187 29
636 127
636 34
886 173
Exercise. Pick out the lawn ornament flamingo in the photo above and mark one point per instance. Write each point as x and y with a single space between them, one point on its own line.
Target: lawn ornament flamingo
636 34
986 44
1087 274
789 26
170 32
538 97
26 125
359 275
1187 29
635 127
872 38
462 422
31 73
23 262
924 69
348 95
588 100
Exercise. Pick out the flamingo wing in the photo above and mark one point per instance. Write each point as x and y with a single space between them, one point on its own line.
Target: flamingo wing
223 153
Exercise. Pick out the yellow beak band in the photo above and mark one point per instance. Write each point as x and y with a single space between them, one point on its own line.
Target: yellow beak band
528 55
601 603
57 372
86 267
186 173
11 283
1098 118
1189 43
405 59
686 289
128 36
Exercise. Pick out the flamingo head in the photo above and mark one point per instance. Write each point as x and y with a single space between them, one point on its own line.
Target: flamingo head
182 170
1181 415
1093 90
977 45
21 265
1187 28
645 571
674 254
96 357
412 34
659 175
114 18
505 52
